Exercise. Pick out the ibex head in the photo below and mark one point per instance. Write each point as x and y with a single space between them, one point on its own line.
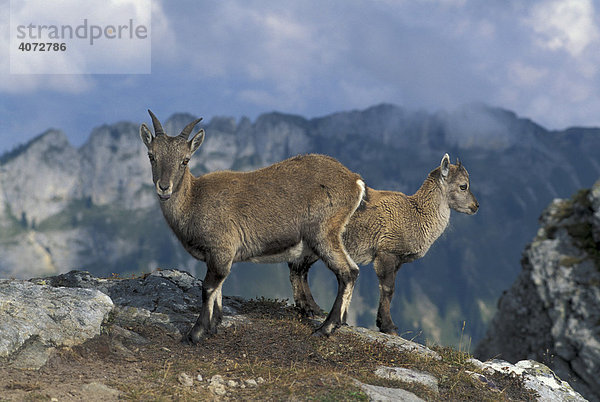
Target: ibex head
455 180
169 156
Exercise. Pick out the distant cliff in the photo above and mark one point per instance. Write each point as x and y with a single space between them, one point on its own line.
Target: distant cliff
552 311
93 208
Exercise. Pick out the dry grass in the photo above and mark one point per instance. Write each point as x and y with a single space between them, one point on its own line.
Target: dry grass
276 345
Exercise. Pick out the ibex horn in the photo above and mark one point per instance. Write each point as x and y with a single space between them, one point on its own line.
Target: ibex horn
185 133
158 130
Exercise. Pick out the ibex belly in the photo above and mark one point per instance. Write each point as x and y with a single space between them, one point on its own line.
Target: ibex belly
296 252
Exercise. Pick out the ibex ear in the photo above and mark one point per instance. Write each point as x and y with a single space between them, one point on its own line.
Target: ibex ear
146 135
196 141
445 166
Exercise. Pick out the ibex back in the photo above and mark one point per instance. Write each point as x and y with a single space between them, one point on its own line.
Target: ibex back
392 229
275 214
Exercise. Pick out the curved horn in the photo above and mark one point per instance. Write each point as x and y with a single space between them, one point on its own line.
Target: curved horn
158 130
185 133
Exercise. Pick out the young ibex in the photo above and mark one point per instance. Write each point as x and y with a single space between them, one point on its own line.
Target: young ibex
391 229
274 214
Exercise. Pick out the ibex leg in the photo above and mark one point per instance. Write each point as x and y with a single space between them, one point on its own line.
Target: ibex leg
302 294
334 255
211 313
386 268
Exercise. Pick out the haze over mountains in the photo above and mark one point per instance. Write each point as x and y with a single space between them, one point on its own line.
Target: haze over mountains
93 207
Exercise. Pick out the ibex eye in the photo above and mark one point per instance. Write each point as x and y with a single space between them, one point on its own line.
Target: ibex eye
151 157
185 162
463 187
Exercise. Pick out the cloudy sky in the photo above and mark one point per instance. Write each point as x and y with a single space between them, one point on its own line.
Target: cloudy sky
243 57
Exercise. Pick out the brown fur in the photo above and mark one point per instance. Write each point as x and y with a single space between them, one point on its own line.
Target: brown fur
391 229
274 214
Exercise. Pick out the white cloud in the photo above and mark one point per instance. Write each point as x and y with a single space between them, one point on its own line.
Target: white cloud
99 36
524 75
568 25
70 71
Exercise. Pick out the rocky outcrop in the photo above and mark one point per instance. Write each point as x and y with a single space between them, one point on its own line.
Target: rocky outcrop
552 311
36 319
42 315
536 376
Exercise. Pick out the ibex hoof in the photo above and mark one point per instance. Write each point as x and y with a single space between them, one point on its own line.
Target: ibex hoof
390 331
325 330
190 339
320 334
187 339
196 335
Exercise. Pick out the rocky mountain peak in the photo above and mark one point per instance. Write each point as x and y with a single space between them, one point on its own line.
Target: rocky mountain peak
49 139
174 124
482 127
552 311
39 177
223 123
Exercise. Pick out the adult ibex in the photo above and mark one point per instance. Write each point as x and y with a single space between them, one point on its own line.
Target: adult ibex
391 229
278 213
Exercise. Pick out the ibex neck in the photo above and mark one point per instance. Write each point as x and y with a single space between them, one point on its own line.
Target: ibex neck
173 209
431 208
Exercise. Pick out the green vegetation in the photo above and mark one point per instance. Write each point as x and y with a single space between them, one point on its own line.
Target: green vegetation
583 235
581 231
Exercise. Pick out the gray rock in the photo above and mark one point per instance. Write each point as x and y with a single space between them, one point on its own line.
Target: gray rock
251 382
538 378
170 299
217 385
384 394
95 391
392 341
36 319
408 376
185 380
552 311
218 389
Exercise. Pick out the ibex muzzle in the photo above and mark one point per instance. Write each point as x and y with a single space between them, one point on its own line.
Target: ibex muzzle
279 213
